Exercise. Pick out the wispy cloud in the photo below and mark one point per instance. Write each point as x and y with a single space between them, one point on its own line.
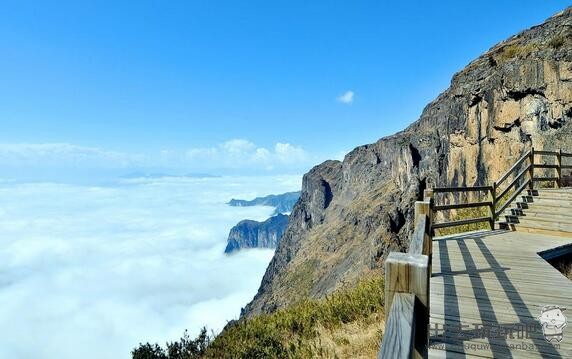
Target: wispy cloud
49 154
346 98
242 153
232 154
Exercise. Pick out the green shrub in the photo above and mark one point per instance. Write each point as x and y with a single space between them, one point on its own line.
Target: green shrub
185 348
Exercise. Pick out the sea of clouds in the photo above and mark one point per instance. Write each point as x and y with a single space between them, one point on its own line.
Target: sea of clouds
91 271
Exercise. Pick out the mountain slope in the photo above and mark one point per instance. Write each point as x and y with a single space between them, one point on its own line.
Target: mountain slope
352 213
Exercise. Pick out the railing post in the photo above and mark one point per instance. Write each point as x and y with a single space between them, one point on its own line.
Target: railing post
493 205
559 169
428 197
409 273
531 186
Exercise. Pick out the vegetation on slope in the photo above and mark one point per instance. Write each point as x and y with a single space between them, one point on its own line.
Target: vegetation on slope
347 323
564 265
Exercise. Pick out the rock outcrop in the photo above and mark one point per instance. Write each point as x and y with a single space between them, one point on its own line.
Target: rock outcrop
352 213
282 202
253 234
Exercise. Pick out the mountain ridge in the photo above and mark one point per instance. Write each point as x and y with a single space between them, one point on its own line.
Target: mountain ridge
283 203
352 213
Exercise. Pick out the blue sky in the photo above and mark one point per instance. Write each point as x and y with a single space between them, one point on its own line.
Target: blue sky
159 82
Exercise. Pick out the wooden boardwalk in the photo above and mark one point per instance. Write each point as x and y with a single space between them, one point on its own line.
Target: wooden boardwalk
480 294
487 290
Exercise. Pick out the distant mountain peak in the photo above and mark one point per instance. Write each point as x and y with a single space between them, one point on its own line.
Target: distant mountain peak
284 203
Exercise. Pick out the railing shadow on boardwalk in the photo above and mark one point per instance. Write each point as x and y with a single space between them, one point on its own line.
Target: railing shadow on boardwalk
453 333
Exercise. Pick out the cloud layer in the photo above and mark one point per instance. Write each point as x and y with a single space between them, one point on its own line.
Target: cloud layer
89 272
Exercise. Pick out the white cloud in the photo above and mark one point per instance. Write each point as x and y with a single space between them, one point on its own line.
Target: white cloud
46 154
346 98
238 146
234 154
240 153
86 267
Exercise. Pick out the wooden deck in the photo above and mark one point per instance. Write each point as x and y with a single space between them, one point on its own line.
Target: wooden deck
487 290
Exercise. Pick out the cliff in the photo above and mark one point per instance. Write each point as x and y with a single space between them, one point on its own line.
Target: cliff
352 213
253 234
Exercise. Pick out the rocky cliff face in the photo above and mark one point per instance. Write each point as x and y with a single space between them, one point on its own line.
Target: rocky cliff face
253 234
352 213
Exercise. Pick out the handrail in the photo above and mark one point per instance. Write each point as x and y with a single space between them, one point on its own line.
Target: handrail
512 198
445 207
461 189
500 189
399 336
514 167
407 275
461 222
407 291
546 153
518 176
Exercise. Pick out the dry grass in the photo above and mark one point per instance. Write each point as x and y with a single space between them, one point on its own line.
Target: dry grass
568 271
557 41
466 213
359 339
516 51
346 324
565 268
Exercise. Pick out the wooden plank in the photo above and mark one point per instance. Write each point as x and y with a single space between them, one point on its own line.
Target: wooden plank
545 179
460 222
398 337
545 153
514 167
513 182
406 273
513 197
559 168
421 240
461 205
531 173
418 239
461 189
409 273
493 278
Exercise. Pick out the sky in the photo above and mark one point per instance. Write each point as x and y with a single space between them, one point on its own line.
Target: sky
223 86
